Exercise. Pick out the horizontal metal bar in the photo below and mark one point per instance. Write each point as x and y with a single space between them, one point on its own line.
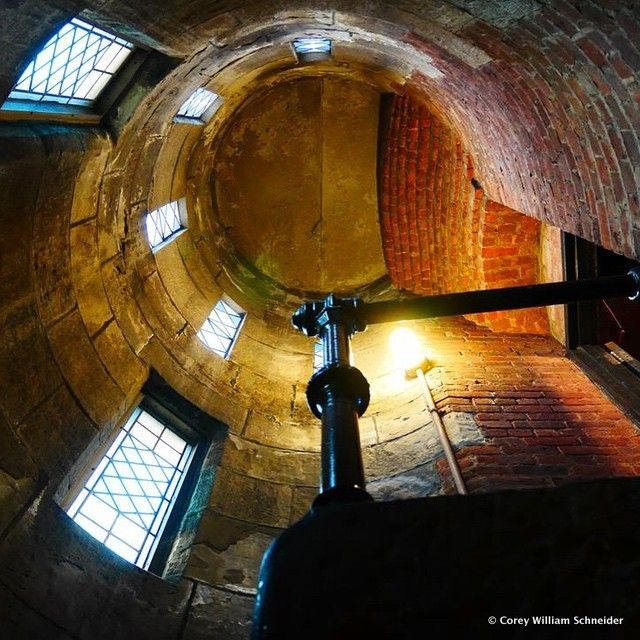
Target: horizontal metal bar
469 302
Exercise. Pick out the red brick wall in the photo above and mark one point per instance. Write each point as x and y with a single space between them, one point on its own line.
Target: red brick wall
552 120
545 423
440 233
426 200
509 248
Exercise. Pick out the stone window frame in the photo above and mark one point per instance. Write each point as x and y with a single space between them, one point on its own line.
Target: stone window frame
206 434
18 110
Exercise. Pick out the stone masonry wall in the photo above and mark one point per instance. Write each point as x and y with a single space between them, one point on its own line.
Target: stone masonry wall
543 94
43 425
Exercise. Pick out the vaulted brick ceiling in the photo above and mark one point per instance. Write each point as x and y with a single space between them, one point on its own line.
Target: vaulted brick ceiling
440 232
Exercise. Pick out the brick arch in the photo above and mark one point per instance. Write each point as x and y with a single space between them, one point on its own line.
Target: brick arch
440 232
552 120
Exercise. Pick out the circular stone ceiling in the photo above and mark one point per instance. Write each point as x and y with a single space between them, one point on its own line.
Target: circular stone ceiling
294 184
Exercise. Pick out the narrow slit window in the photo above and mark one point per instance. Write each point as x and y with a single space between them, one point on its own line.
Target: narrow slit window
73 67
198 107
127 500
220 330
166 222
312 49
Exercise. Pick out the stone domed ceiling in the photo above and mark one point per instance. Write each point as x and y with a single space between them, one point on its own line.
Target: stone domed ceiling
294 182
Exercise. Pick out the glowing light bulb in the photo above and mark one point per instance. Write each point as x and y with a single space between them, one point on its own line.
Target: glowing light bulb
407 349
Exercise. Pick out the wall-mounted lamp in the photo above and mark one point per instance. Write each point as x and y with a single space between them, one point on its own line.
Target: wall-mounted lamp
409 353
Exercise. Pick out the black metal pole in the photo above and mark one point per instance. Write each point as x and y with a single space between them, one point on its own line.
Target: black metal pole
535 295
338 394
341 452
336 349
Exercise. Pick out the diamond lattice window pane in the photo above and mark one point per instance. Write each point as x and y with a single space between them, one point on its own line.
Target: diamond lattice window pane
165 222
198 105
73 66
221 328
126 502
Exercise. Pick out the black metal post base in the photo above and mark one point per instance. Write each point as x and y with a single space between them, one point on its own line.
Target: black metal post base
340 495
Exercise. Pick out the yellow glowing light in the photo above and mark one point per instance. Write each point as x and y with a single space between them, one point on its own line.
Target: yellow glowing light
407 349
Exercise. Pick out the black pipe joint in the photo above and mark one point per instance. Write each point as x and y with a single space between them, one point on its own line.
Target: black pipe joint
338 381
311 317
304 317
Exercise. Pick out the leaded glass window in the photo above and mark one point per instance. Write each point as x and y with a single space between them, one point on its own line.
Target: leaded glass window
73 67
127 500
166 222
199 106
221 328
